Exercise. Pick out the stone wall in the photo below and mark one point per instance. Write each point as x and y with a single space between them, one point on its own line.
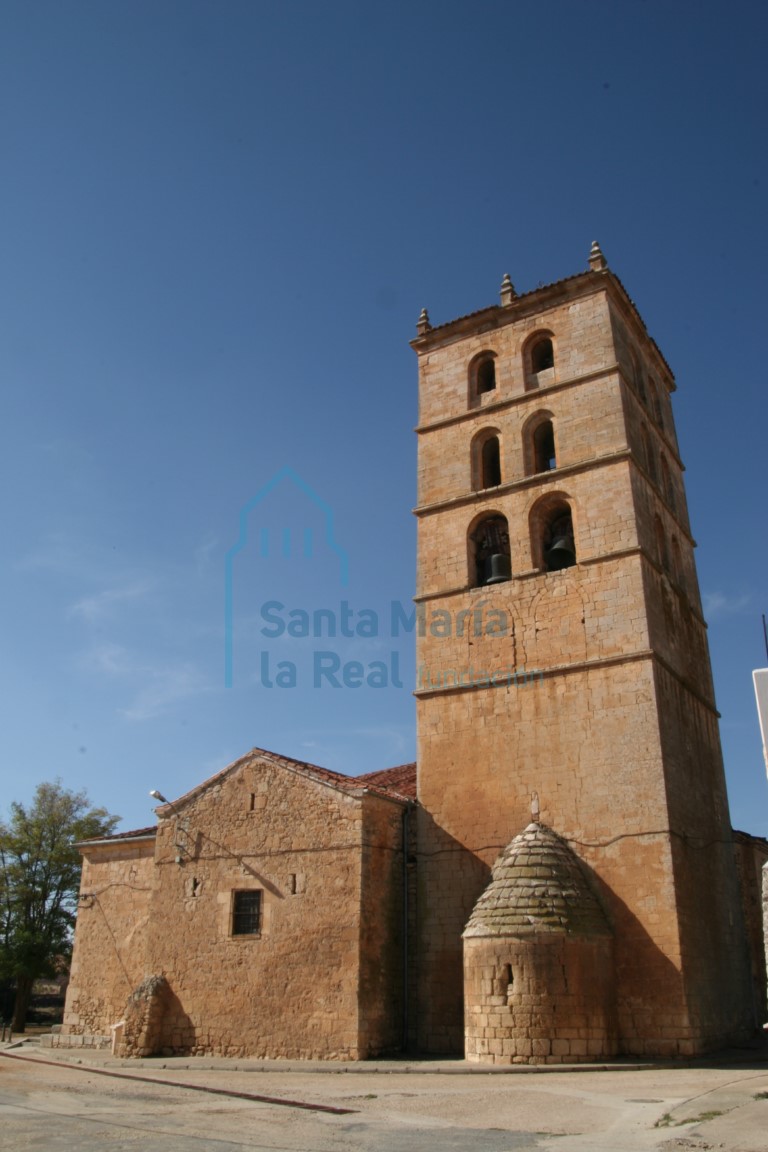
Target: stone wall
539 983
323 975
752 863
110 950
292 989
541 1000
383 933
142 1031
597 692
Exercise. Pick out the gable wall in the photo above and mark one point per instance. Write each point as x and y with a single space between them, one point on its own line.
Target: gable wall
292 991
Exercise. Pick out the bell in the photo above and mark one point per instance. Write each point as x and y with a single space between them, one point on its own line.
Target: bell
499 568
560 554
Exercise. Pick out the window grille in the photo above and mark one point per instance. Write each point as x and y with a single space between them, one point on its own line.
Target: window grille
246 913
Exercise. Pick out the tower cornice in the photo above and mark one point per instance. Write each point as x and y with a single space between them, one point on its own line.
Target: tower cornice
535 302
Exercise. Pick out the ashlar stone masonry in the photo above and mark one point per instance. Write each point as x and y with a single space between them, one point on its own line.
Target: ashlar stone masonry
282 910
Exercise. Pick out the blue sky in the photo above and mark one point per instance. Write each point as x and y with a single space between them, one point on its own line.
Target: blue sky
219 224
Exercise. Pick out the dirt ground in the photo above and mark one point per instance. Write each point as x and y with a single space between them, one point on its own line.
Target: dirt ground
51 1100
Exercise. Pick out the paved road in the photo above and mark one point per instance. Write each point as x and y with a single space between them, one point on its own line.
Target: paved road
63 1105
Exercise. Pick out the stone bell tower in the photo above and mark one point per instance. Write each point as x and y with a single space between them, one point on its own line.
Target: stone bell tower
562 651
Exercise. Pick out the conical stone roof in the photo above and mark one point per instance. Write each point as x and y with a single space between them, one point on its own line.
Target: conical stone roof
537 886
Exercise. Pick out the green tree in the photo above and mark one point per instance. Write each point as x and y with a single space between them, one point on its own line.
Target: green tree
39 882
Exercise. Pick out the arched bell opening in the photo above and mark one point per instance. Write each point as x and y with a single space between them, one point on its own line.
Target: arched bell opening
677 561
666 483
638 379
544 456
559 549
656 402
490 557
553 538
482 376
539 360
486 460
486 375
539 451
648 453
542 355
491 463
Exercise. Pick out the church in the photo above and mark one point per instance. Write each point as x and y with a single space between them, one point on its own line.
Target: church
556 879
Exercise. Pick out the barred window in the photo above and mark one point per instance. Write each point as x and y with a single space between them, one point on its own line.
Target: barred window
246 913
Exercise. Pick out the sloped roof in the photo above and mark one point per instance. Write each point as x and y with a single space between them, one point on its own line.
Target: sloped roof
134 833
746 838
131 834
401 779
538 886
398 784
354 785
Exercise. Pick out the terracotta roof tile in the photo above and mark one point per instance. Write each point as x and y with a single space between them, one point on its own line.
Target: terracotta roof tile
401 779
312 771
131 834
397 783
150 831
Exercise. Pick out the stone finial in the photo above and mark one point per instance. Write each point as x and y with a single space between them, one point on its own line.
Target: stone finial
423 325
508 293
597 261
535 807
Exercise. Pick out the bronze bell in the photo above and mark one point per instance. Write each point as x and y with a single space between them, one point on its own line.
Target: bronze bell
499 568
561 554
